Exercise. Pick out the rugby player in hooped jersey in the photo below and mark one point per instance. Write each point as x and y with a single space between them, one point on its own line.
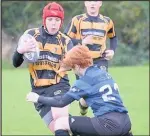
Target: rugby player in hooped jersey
99 91
44 78
92 29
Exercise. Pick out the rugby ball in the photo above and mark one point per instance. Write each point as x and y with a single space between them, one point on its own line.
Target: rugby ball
32 56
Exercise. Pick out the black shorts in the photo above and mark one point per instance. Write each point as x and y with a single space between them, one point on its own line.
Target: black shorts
109 124
49 91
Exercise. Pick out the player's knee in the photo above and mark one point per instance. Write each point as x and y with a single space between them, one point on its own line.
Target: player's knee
62 124
57 113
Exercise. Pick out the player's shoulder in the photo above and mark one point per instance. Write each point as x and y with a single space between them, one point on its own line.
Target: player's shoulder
78 17
32 31
82 84
92 71
105 18
94 75
64 36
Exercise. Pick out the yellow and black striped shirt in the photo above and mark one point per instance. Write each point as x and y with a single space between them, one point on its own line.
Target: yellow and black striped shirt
100 27
52 50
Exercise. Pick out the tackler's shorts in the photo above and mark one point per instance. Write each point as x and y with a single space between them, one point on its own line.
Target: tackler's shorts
113 123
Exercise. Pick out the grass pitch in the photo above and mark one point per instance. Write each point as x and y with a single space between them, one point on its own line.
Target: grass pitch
20 118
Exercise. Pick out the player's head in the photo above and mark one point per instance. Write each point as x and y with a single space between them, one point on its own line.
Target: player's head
78 58
53 17
92 7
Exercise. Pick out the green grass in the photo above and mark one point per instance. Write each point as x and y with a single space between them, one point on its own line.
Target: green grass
20 118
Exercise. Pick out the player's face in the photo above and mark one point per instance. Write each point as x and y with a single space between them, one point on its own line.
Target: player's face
53 24
93 7
76 70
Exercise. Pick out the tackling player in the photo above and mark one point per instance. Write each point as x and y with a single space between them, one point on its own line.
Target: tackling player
53 45
100 92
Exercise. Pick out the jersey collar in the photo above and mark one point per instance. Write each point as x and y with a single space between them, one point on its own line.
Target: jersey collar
92 18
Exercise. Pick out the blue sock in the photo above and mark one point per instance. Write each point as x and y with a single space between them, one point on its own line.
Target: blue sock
61 132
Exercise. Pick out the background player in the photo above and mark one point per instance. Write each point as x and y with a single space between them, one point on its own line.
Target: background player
92 29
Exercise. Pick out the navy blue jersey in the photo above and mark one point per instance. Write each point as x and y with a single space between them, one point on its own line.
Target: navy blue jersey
99 91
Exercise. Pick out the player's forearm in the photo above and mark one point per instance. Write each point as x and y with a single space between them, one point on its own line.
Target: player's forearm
57 101
17 59
113 43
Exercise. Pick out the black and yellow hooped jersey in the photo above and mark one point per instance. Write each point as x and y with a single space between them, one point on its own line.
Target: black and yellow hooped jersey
99 27
52 50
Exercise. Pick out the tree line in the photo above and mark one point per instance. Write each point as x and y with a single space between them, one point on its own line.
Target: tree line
131 20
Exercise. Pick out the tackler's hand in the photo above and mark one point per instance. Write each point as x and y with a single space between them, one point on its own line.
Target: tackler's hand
32 97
